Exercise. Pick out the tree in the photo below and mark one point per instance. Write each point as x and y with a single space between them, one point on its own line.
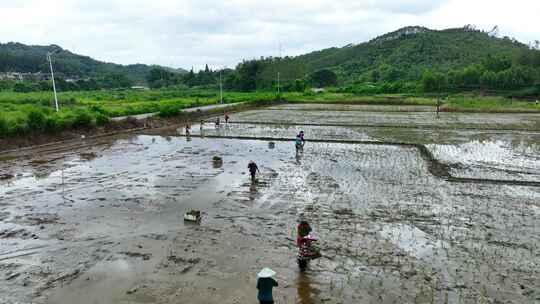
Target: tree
375 75
6 85
496 63
299 85
434 81
231 81
158 77
115 80
248 72
36 120
323 78
488 80
189 78
22 87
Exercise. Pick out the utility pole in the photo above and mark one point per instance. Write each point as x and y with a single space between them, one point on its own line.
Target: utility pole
279 62
53 83
278 83
220 88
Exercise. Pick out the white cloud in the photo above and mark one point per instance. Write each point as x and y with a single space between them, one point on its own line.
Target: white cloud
192 33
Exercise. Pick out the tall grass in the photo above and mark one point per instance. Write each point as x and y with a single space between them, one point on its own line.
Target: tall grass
39 120
489 104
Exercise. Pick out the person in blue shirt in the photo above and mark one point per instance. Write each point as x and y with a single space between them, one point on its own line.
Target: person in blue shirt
265 284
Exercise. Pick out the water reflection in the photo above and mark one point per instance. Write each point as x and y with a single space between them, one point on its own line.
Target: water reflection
306 293
299 158
253 191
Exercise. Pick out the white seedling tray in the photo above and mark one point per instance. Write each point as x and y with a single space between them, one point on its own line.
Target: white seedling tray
192 216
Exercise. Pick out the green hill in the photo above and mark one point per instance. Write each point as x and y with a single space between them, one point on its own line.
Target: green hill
21 58
410 59
456 59
406 53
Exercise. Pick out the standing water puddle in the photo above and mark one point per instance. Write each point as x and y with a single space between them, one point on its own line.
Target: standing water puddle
411 240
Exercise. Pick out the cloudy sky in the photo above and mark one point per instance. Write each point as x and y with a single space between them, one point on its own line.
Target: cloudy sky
186 33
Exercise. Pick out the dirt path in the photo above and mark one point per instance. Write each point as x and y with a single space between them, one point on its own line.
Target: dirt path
188 110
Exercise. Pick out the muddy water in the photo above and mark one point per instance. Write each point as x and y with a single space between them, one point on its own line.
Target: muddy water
352 107
102 224
507 155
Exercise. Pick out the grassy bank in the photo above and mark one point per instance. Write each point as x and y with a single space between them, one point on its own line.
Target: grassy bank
488 104
449 103
22 113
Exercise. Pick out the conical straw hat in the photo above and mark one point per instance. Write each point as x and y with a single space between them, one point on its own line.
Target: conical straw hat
266 273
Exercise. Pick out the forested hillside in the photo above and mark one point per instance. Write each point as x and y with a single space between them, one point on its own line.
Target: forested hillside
408 59
17 57
405 53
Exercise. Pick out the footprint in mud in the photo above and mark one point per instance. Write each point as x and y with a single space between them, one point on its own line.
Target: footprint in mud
4 215
17 233
6 176
88 156
144 256
64 234
181 265
322 183
35 219
155 236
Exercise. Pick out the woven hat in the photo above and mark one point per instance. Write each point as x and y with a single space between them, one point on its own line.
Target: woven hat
266 273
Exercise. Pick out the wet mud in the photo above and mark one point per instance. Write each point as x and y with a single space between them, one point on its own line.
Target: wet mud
373 116
102 223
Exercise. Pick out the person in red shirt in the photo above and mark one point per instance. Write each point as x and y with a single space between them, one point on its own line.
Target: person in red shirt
303 230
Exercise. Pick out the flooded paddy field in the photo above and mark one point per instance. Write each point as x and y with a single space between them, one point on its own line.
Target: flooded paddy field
394 116
101 221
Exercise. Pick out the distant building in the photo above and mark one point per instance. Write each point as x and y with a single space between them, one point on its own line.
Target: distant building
37 76
317 90
140 88
11 76
25 76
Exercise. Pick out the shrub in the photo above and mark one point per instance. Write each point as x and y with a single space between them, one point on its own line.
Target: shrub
70 101
101 119
60 121
17 126
98 109
4 129
168 110
22 87
83 118
52 123
36 120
